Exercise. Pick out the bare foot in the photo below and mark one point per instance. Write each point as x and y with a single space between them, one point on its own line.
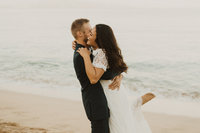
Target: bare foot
147 97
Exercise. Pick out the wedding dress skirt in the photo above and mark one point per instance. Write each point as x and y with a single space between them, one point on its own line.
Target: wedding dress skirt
125 111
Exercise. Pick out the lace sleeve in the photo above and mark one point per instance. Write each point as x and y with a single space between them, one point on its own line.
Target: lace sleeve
100 60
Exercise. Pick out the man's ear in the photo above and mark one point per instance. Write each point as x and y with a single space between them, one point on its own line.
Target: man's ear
79 34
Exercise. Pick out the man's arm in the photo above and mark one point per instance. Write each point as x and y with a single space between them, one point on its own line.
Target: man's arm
109 74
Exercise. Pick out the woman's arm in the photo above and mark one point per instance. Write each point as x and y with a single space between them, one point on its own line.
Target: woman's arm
93 73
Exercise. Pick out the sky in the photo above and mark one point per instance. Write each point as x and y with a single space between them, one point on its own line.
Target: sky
89 3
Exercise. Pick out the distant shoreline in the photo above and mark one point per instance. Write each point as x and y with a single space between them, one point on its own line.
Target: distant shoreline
157 105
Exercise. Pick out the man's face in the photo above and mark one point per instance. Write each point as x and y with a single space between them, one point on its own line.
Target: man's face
87 31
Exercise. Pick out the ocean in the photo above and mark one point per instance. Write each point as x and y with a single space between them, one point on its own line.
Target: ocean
161 47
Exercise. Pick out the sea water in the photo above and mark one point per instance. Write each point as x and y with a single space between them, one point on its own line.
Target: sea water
161 47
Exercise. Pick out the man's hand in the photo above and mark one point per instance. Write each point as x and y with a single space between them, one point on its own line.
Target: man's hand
74 45
116 82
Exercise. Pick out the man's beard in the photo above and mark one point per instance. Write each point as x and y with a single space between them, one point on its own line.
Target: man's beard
85 40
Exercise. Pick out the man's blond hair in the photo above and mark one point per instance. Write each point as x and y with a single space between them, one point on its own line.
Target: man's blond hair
77 25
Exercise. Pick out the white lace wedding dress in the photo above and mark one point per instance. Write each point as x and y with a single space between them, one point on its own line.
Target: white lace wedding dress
125 110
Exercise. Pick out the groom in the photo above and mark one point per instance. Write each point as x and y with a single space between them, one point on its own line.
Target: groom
93 96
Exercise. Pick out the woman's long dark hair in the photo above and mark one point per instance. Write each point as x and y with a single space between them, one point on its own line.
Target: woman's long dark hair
106 40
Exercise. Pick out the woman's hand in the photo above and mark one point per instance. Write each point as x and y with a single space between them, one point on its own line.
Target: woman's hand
84 52
74 45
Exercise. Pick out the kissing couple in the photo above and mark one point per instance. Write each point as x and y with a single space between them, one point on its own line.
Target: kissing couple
99 64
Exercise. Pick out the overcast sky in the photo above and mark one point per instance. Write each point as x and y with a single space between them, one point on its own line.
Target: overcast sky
85 3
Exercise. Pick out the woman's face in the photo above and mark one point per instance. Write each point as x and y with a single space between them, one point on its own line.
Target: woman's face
92 38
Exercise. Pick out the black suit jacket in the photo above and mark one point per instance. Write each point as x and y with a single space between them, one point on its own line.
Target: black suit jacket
93 96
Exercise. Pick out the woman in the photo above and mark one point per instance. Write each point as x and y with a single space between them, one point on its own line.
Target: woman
125 112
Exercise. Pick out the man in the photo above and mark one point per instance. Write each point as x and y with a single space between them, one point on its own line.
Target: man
93 96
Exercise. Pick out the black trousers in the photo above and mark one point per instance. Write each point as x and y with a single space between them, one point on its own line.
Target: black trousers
100 126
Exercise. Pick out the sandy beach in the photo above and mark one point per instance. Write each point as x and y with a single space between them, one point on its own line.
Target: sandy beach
39 90
27 113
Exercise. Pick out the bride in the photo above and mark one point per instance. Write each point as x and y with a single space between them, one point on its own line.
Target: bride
125 110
